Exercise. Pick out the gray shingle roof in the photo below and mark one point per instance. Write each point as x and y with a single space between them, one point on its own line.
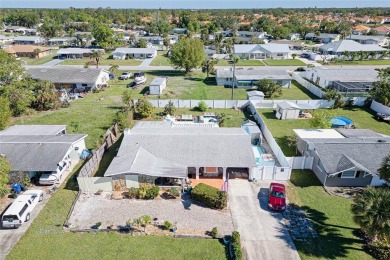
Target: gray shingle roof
76 51
36 152
359 133
351 46
33 130
189 146
261 48
135 50
339 154
28 38
254 74
365 37
347 75
66 74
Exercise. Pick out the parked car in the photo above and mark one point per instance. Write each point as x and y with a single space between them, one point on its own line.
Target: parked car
52 177
149 56
125 75
277 197
20 210
112 76
132 84
139 77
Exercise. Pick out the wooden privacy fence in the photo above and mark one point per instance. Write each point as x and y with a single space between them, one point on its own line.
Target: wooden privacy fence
92 164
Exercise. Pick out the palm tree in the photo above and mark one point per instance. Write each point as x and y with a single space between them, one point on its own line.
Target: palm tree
228 44
208 66
372 212
346 55
218 42
384 53
96 55
362 55
37 51
113 69
372 54
384 170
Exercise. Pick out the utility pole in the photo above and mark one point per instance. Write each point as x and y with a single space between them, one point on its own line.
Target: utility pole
234 73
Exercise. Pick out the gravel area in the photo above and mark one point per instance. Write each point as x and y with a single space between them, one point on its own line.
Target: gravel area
192 219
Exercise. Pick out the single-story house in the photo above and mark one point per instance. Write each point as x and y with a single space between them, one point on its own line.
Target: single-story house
262 51
157 40
28 51
338 48
294 36
253 130
154 150
248 34
360 29
6 39
255 95
157 86
36 149
61 41
344 157
74 79
323 37
343 79
75 53
14 28
137 53
369 39
33 40
249 78
179 31
293 45
383 30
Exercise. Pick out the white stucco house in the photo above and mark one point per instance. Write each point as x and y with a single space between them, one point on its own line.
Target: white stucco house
262 51
137 53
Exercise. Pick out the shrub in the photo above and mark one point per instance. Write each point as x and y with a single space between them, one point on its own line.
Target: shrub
236 245
133 192
379 250
167 224
202 106
3 191
214 232
209 196
175 192
152 192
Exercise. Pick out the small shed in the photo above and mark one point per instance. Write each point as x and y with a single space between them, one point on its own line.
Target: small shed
157 86
253 130
255 95
287 110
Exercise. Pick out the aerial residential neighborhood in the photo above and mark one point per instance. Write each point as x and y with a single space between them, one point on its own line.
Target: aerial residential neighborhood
175 130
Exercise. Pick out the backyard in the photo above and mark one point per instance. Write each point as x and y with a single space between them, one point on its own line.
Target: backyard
47 239
284 62
332 218
296 92
282 129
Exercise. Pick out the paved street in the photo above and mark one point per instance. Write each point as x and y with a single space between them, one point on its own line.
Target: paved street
263 236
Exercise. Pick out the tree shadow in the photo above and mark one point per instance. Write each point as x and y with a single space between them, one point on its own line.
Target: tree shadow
269 115
169 73
304 90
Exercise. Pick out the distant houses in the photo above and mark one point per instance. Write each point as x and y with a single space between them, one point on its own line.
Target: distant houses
29 51
32 40
340 47
136 53
75 53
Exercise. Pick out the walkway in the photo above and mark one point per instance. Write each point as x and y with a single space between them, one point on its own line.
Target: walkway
263 236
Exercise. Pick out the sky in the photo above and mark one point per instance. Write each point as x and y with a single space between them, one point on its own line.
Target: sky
191 4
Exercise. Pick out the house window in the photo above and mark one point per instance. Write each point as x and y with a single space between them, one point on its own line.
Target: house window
348 174
279 54
320 166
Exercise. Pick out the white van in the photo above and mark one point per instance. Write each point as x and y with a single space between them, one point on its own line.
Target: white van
51 178
21 209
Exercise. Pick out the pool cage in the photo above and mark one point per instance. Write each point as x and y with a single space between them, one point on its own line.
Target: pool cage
352 88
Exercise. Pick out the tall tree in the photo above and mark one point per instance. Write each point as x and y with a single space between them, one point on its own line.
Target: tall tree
384 170
5 168
114 69
372 213
269 88
11 70
5 112
142 43
104 36
187 54
321 119
45 97
208 66
380 90
96 55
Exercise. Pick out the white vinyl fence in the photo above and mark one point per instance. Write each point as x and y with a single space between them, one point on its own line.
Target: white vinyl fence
298 76
301 162
192 103
379 108
317 103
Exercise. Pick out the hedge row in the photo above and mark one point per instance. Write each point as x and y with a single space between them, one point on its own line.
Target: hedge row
209 196
236 246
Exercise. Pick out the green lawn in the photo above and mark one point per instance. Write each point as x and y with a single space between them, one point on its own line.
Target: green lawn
282 129
284 63
181 86
361 62
46 239
332 219
161 59
240 63
104 61
296 92
40 61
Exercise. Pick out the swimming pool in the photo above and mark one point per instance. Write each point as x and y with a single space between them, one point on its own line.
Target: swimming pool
259 156
340 121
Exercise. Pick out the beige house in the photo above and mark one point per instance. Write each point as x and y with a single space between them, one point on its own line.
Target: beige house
29 51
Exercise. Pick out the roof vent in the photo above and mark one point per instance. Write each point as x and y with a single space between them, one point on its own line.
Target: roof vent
382 141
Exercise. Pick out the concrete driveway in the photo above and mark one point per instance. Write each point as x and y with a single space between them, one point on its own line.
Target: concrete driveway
52 63
263 236
146 62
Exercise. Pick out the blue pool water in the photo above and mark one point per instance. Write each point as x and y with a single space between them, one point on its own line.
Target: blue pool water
260 161
340 121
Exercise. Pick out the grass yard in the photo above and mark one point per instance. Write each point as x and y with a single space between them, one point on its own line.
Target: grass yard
161 59
40 61
94 114
284 62
46 239
296 91
282 129
181 86
104 61
360 62
332 219
240 63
